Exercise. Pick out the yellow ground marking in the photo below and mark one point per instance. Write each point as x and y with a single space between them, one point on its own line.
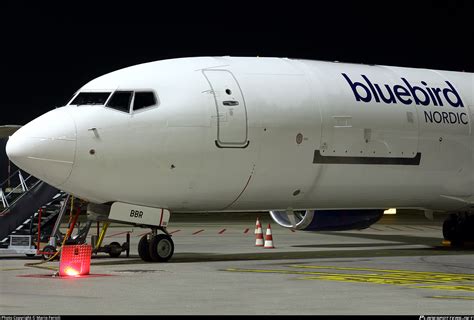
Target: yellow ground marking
380 270
394 275
350 278
453 297
453 288
407 278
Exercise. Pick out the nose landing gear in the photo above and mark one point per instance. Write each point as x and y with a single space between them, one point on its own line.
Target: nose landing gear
156 247
152 247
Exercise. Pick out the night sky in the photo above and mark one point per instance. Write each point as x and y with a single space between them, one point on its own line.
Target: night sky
50 50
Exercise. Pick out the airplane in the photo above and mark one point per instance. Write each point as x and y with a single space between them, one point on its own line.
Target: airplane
320 145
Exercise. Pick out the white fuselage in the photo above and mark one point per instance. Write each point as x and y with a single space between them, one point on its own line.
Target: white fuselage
237 134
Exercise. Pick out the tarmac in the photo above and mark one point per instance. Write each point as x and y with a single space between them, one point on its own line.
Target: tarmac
399 266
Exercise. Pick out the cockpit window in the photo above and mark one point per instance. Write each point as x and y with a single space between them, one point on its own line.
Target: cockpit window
143 100
120 101
91 98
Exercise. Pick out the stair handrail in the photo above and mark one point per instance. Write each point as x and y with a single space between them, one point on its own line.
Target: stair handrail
9 177
4 199
21 185
21 196
62 211
22 182
13 190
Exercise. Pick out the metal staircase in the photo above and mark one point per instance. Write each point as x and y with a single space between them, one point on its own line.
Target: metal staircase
31 214
20 206
8 194
50 212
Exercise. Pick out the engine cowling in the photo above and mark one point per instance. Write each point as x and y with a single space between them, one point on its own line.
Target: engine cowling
328 220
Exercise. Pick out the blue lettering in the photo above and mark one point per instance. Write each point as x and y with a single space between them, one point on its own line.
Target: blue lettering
430 93
428 116
391 99
436 92
354 86
453 91
405 94
451 119
401 92
445 117
371 88
414 90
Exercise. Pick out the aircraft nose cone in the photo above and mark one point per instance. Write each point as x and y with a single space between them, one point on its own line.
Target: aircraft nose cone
45 147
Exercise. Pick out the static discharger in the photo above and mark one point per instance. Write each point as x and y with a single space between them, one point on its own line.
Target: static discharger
75 260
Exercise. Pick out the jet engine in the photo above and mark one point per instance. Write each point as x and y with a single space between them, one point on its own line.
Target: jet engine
327 220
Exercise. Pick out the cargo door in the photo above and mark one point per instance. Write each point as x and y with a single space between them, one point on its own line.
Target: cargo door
369 133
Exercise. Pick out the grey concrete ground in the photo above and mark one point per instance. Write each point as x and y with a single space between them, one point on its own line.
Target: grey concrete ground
398 266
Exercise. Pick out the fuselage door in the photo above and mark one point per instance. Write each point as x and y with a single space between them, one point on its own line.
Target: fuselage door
232 130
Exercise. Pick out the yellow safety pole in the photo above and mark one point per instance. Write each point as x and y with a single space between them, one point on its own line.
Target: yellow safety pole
102 234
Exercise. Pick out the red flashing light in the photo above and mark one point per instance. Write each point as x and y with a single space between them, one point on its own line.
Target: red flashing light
70 271
75 260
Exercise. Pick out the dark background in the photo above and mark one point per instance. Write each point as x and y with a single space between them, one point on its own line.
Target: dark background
48 50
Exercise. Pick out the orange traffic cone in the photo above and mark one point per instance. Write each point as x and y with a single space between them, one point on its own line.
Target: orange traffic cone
259 235
256 225
269 238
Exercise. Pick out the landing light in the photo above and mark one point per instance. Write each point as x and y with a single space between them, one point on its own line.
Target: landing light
390 211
